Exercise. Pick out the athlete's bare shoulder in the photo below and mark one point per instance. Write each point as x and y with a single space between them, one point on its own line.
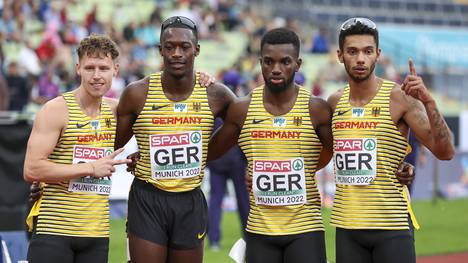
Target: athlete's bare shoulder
318 103
319 106
133 97
57 104
319 110
137 88
398 96
219 98
54 112
237 111
334 98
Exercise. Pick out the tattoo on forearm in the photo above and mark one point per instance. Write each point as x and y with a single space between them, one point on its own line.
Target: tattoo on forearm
440 128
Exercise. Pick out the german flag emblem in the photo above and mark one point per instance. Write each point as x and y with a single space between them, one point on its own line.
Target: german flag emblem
376 111
108 123
196 106
297 121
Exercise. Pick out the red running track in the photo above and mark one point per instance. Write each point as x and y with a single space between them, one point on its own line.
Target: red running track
449 258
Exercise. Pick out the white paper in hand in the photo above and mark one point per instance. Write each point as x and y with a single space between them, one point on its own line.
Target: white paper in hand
238 251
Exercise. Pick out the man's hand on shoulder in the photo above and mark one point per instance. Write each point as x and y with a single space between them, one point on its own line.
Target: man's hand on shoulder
205 79
334 98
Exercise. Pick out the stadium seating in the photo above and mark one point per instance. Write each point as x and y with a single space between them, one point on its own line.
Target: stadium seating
330 12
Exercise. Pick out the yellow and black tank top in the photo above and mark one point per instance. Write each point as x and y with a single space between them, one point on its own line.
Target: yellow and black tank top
368 148
282 153
68 212
173 138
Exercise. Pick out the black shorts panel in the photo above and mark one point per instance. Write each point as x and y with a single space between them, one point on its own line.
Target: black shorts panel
175 220
300 248
66 249
368 246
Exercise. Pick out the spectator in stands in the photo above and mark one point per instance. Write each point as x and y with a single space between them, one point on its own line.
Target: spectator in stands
47 87
18 86
129 31
299 78
320 42
28 59
228 13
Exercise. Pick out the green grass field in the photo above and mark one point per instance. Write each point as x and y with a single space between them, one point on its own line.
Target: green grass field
444 229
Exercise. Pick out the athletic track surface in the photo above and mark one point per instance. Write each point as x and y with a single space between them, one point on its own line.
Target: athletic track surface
449 258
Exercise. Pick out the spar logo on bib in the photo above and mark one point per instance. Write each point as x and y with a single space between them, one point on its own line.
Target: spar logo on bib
279 182
297 164
355 161
195 137
86 153
369 144
176 155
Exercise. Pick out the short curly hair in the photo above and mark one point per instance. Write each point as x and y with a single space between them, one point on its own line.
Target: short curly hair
279 36
96 45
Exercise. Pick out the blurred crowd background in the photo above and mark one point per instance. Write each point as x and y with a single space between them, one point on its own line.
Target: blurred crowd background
38 39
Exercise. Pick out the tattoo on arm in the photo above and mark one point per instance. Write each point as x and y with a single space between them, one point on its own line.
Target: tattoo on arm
442 132
439 130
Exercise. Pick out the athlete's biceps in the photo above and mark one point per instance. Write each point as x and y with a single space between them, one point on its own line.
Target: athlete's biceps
41 142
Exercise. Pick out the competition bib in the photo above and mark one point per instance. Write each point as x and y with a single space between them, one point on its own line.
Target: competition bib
89 184
176 156
279 182
355 161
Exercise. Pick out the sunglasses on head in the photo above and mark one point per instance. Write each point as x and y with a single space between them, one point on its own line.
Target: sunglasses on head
179 20
355 20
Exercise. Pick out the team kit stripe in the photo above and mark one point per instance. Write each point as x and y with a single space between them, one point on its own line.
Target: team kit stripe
260 140
159 117
73 213
381 204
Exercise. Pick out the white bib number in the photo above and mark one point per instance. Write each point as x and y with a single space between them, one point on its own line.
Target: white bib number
279 182
176 156
88 184
355 161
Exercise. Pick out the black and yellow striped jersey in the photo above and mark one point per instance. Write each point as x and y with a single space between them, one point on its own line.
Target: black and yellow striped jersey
173 138
368 148
79 207
282 153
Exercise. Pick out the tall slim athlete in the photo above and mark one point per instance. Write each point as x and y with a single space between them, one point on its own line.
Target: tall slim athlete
172 117
371 120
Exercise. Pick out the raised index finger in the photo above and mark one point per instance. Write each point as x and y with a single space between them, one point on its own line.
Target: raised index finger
411 67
